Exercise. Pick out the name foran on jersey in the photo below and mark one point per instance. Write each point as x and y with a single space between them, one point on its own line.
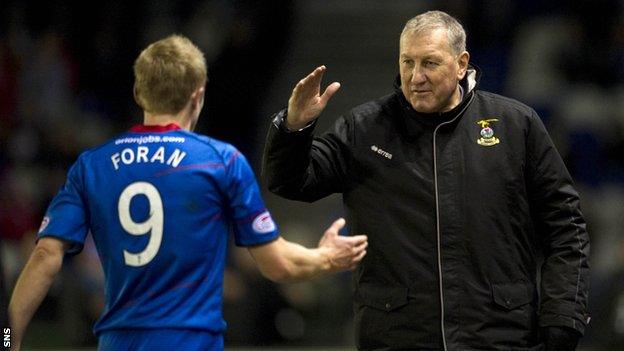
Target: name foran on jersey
145 154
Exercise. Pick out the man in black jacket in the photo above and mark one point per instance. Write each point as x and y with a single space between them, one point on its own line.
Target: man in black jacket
463 196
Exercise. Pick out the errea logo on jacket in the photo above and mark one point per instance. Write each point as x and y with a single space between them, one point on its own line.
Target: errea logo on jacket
381 152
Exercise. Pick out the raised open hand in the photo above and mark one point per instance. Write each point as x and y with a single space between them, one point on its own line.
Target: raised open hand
306 103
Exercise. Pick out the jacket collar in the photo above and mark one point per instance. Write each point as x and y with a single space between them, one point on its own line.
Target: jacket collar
412 122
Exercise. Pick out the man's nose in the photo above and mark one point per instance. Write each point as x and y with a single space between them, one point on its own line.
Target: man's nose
418 76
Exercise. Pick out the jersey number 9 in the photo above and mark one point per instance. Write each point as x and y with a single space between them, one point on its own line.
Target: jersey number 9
152 225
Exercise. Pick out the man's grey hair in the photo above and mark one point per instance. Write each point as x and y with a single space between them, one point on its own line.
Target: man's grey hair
430 20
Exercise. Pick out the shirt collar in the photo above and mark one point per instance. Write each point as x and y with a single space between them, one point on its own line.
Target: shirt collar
142 128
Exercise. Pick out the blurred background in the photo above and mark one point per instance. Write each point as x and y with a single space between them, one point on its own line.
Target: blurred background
66 85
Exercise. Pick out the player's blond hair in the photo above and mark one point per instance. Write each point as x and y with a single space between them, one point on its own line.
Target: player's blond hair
166 73
437 19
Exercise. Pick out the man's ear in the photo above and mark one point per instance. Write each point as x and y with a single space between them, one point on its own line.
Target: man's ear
197 98
135 93
462 61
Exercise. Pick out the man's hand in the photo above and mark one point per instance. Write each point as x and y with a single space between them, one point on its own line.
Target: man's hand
343 252
306 103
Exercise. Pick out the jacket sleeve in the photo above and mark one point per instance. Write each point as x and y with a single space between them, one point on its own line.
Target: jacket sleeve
561 227
298 166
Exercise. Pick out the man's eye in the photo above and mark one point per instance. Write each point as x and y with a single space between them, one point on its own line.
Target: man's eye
431 63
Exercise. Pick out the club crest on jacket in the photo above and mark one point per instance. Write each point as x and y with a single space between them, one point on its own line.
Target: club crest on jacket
487 133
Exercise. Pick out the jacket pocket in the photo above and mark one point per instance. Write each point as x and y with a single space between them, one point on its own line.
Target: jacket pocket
511 295
383 319
384 298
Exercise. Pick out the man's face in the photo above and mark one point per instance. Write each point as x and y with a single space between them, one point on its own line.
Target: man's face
430 72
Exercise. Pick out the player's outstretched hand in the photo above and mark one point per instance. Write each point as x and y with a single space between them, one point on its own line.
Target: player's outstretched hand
344 252
306 101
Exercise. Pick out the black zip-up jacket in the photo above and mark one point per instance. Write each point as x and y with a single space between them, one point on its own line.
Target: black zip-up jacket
462 209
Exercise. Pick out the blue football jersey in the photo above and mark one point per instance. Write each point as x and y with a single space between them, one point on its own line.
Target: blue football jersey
159 203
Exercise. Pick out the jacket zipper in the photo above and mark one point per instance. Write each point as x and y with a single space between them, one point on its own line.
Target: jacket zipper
435 185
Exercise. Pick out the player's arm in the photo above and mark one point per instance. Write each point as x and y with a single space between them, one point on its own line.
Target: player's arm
33 284
284 261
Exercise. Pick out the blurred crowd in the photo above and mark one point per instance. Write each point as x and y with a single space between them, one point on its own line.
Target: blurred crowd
66 85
